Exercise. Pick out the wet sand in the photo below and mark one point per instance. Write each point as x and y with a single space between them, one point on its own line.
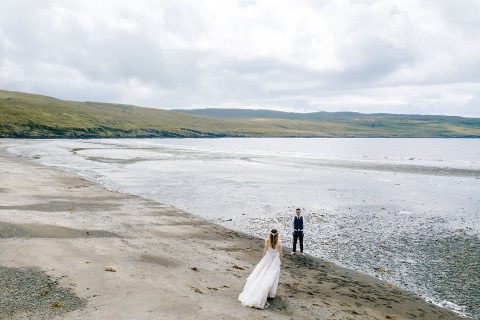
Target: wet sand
164 263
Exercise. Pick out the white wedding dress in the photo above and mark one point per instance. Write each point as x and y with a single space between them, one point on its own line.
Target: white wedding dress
263 281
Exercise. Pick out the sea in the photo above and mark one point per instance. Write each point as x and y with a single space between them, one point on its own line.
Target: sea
403 210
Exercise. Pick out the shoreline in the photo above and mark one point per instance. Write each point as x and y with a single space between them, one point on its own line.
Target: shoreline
237 136
169 263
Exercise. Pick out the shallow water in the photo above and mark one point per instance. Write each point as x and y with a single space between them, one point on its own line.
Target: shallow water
404 210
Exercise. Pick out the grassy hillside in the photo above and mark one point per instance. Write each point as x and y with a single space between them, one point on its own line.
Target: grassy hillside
29 115
36 116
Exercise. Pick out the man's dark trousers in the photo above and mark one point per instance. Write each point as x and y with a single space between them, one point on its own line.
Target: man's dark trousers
297 235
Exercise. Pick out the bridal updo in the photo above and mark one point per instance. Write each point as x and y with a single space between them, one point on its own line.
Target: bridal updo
273 237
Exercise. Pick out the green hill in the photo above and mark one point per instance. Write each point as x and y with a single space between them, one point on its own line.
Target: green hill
24 115
29 115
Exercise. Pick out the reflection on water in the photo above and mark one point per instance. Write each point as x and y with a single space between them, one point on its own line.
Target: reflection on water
405 210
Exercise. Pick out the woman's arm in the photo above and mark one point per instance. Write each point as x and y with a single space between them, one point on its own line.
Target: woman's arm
280 252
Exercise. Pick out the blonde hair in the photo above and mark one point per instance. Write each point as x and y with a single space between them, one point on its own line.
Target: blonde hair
273 237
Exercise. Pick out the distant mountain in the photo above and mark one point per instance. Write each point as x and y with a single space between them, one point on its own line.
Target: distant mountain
262 113
314 116
24 115
351 124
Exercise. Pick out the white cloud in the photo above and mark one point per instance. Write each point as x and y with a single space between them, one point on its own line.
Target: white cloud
400 56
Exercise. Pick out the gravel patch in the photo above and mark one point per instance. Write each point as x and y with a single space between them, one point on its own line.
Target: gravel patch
30 292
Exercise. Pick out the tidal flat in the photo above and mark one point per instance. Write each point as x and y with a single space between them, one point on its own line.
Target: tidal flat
401 210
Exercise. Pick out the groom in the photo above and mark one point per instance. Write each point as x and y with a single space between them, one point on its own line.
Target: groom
297 225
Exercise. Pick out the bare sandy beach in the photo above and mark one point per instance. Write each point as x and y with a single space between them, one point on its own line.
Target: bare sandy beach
72 249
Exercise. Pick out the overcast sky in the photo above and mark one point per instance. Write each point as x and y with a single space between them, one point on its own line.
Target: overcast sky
368 56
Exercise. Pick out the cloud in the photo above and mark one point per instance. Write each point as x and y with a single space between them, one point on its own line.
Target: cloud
400 56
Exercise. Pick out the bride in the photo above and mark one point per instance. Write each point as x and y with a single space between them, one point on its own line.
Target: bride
263 281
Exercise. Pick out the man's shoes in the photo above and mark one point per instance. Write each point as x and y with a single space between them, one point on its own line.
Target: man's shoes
302 253
293 252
